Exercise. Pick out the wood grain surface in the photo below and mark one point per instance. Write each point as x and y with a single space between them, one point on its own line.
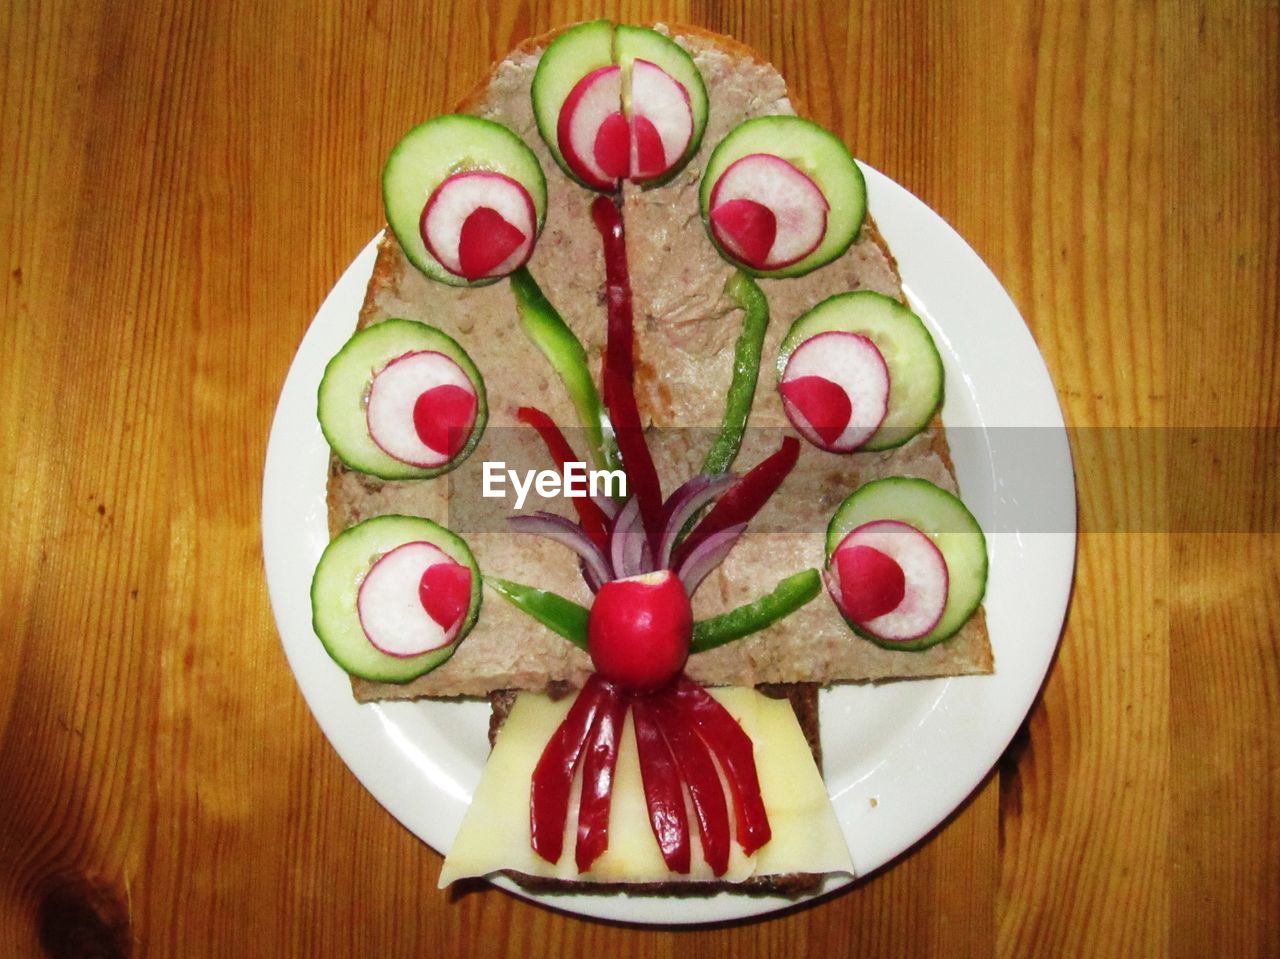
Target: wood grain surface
182 182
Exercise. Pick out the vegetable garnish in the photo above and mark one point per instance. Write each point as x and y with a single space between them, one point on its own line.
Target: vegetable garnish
597 781
741 503
553 776
662 793
594 522
543 324
788 596
619 370
746 369
560 615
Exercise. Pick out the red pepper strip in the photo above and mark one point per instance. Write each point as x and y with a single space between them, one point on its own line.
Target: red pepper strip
594 523
699 773
619 372
744 499
553 776
662 791
597 778
733 748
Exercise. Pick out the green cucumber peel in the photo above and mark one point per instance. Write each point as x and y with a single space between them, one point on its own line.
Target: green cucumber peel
544 325
560 615
788 596
746 293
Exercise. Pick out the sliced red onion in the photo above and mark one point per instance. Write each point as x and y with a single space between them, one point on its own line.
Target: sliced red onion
707 555
628 549
684 503
608 505
566 533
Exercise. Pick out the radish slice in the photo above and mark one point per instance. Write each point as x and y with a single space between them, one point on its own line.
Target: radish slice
835 390
479 224
412 417
592 132
767 183
895 605
661 121
393 610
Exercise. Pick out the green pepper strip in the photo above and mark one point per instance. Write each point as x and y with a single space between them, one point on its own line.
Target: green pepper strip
788 596
564 351
746 369
552 610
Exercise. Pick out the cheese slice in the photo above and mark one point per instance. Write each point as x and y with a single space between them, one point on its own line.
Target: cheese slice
495 833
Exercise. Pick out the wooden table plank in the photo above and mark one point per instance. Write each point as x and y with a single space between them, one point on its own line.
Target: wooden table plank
183 182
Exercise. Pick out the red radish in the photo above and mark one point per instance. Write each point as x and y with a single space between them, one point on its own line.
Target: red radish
661 121
835 390
864 584
405 397
639 628
443 417
392 606
798 207
445 593
479 224
592 129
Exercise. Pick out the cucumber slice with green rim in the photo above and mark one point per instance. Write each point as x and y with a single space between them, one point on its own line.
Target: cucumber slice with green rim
336 586
641 43
915 367
344 390
945 520
570 57
432 152
815 152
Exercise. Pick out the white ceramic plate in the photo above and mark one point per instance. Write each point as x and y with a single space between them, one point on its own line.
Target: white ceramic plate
899 757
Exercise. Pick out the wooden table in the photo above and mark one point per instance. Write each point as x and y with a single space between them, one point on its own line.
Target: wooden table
183 181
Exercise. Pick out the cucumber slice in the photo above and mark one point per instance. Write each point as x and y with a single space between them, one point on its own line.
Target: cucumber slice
915 367
945 520
344 390
570 57
342 568
430 153
641 43
818 154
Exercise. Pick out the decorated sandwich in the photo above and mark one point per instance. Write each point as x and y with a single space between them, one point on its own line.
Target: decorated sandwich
627 260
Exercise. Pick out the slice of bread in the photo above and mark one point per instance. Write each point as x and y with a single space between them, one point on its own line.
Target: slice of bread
685 330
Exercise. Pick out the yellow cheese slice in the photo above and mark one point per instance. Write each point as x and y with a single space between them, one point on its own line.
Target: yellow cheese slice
495 833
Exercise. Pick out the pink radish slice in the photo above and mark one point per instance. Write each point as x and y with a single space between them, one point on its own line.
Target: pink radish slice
798 206
479 224
863 582
835 390
587 131
395 423
443 417
445 593
747 229
390 605
661 120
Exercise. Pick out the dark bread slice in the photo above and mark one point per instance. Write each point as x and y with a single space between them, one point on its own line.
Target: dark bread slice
804 702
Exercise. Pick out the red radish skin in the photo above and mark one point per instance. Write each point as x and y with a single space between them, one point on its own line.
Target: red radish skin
835 390
925 580
661 121
871 582
589 108
444 416
747 229
798 207
445 593
395 421
390 605
638 630
479 224
820 403
485 242
612 147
